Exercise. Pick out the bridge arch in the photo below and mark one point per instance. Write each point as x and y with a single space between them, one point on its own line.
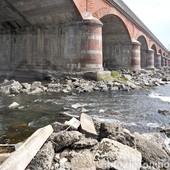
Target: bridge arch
116 43
160 52
143 50
153 47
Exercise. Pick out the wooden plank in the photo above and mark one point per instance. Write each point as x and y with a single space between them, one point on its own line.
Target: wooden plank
20 159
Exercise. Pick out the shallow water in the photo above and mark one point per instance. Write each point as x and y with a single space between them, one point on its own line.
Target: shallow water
138 110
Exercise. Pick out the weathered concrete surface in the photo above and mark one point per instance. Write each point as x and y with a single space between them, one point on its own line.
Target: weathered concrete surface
39 35
20 13
25 153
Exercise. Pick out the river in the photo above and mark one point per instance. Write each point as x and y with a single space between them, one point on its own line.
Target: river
137 110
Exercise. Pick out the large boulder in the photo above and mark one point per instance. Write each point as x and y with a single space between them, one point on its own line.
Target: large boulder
14 90
43 159
57 126
26 86
152 150
16 85
10 87
65 139
83 160
107 129
114 155
85 143
166 130
124 137
35 85
36 91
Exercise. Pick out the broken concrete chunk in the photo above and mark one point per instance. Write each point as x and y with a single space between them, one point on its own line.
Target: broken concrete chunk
25 153
73 123
87 124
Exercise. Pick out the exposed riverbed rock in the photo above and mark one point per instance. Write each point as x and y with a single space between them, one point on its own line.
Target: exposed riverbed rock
10 87
36 91
57 126
14 105
65 139
165 130
44 158
116 148
83 160
114 155
164 112
36 84
107 129
69 84
85 143
14 90
152 152
26 86
124 137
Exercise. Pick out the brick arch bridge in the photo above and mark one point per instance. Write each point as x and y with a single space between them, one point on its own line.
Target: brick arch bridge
76 35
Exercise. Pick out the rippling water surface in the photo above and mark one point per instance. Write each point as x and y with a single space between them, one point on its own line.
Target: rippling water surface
138 110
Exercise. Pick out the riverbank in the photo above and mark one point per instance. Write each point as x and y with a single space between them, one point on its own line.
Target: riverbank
86 143
78 85
88 82
127 98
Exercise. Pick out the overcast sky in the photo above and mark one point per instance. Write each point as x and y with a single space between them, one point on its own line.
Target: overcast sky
155 14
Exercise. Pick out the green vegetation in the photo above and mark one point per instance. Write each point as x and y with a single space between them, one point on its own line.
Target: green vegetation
118 76
111 76
104 76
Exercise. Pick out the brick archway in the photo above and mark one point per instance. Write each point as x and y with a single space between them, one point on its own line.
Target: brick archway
116 43
153 47
144 50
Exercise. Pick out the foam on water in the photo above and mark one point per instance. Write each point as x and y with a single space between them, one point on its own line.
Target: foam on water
159 96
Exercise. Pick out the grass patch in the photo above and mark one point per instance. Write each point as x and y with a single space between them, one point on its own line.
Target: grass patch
104 77
117 76
111 76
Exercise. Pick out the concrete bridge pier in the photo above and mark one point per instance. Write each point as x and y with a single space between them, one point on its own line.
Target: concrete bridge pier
91 47
158 61
150 59
163 61
166 62
135 59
